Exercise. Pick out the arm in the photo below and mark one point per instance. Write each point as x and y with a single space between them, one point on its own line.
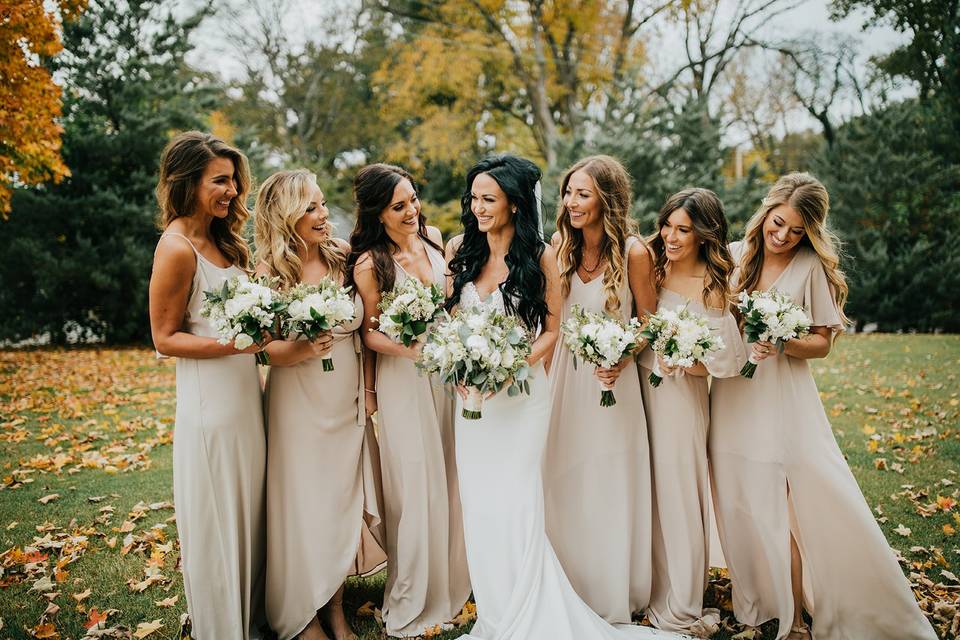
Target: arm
285 353
174 265
816 344
369 292
543 346
370 379
434 234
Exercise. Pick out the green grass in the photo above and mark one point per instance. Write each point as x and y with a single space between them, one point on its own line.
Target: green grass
899 392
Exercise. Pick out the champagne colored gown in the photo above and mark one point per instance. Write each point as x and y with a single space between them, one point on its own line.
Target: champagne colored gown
596 474
777 471
219 455
427 579
322 483
678 415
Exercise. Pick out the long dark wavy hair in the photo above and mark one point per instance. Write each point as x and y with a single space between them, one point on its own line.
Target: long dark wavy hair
710 227
372 192
523 290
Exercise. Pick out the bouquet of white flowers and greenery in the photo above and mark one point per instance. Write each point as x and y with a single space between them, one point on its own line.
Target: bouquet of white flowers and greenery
313 309
770 316
681 338
600 340
482 349
242 311
408 310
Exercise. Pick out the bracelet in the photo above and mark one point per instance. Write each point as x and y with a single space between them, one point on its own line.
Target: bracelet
369 390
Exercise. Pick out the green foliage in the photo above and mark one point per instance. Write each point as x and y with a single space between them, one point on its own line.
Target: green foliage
79 253
896 203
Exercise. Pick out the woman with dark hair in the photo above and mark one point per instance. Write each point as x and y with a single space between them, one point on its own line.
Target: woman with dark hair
691 269
427 581
501 261
597 480
219 452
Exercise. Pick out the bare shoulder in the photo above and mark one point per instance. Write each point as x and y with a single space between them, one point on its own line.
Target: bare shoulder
263 269
555 239
341 244
549 256
364 264
434 234
639 254
174 252
453 245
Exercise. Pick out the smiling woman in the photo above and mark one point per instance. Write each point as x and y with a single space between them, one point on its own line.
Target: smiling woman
219 449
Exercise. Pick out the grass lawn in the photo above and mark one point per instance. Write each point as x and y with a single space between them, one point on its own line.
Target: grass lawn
86 522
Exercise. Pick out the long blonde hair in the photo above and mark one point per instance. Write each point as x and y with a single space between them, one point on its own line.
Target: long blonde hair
808 197
182 164
710 227
281 202
613 191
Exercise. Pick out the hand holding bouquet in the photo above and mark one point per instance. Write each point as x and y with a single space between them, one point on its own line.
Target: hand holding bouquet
481 349
680 338
408 309
314 309
244 312
601 341
770 316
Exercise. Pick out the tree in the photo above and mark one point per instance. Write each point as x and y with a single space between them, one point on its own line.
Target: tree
29 98
88 241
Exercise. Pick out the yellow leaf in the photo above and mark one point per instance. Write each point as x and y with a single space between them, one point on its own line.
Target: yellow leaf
49 498
166 603
949 530
868 430
83 595
144 629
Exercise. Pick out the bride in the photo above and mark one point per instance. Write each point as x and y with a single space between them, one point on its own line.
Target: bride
520 588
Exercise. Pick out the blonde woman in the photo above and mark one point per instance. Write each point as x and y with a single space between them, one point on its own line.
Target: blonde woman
692 267
321 495
796 531
596 466
219 448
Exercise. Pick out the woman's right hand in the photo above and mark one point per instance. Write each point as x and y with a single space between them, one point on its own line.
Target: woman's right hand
666 369
320 346
414 350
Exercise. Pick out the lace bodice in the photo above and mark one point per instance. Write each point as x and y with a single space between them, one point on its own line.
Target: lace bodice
470 298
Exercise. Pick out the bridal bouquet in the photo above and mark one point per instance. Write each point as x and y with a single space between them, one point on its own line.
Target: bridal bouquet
681 338
408 309
482 349
601 341
771 316
242 311
313 309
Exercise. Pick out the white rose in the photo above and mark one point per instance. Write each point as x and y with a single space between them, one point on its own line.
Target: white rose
242 341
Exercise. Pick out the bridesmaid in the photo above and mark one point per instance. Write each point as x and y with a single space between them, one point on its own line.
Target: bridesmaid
692 268
219 450
427 580
596 466
321 495
795 528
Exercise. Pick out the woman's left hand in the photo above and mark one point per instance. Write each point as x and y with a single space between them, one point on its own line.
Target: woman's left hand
763 350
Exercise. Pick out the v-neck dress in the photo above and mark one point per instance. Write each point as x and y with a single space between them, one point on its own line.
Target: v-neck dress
597 473
427 578
777 471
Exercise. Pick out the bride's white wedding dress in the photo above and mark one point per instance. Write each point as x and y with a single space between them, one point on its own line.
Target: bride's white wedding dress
520 588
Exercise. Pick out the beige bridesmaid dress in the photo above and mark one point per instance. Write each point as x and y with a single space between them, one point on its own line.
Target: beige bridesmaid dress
596 474
678 416
777 471
427 577
321 483
219 453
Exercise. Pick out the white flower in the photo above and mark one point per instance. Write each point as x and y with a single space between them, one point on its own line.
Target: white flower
242 341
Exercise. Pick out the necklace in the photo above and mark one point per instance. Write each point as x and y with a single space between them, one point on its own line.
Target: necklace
595 266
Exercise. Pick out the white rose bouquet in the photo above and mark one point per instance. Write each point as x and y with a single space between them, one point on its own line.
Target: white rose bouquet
601 341
313 309
408 309
481 349
770 316
681 338
242 311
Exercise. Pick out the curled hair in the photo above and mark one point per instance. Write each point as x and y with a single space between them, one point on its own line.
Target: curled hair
524 289
372 193
281 202
612 184
710 228
182 164
809 198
